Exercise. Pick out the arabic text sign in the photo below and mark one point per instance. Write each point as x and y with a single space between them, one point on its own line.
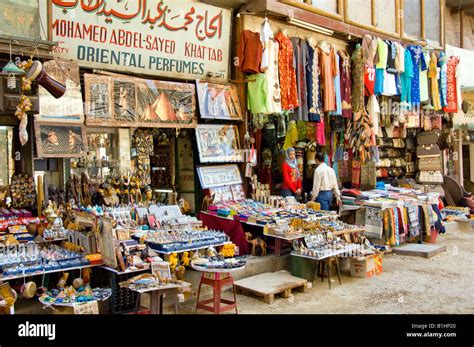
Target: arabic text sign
175 38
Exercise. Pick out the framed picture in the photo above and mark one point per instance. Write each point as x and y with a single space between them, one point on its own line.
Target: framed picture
218 100
58 140
166 104
161 269
69 107
137 102
124 100
98 95
219 175
218 143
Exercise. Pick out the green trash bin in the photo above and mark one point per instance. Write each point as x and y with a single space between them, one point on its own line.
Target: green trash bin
303 268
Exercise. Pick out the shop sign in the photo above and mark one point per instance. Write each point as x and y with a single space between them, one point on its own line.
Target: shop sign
176 38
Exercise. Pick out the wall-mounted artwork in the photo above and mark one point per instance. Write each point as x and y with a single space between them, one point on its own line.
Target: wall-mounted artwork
218 143
218 100
57 140
137 102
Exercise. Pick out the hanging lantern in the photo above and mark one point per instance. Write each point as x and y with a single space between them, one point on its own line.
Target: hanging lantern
12 71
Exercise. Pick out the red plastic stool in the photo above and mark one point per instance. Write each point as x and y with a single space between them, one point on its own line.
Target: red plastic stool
216 282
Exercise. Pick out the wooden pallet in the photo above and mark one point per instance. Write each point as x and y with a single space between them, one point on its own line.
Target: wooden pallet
269 284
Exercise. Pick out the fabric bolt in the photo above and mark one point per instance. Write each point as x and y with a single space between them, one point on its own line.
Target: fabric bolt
250 52
443 78
346 84
433 76
291 135
400 58
389 84
369 47
312 80
358 67
417 59
301 56
328 71
451 95
337 88
273 102
379 81
406 78
369 80
257 94
424 95
391 57
287 73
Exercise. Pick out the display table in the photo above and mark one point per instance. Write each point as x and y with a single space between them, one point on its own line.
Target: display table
230 227
156 297
216 278
280 240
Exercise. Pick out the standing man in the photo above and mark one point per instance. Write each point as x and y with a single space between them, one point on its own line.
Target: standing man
325 184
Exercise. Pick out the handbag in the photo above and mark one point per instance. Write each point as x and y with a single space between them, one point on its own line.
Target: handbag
430 177
424 151
428 137
410 167
430 164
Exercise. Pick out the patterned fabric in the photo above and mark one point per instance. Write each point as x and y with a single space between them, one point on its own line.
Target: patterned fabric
287 72
414 225
433 75
271 74
417 58
300 51
451 96
442 78
358 83
312 79
345 72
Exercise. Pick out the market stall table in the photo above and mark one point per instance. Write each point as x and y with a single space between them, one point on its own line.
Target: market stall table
156 296
216 278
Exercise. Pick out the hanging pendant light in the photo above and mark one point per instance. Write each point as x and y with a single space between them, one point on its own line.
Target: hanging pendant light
11 70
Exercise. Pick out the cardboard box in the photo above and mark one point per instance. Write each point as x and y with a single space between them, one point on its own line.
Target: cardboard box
365 267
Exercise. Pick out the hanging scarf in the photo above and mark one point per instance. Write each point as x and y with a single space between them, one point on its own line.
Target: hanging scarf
292 163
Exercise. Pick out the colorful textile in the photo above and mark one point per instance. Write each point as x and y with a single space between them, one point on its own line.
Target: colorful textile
287 73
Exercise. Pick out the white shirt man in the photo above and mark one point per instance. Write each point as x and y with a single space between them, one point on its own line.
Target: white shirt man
325 185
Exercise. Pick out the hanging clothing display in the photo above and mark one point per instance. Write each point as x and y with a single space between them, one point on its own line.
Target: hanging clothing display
451 95
291 135
406 78
287 73
369 80
300 51
433 75
346 84
257 94
382 56
249 52
312 79
358 76
443 79
320 132
369 47
417 59
273 81
424 95
400 58
266 34
328 71
337 88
